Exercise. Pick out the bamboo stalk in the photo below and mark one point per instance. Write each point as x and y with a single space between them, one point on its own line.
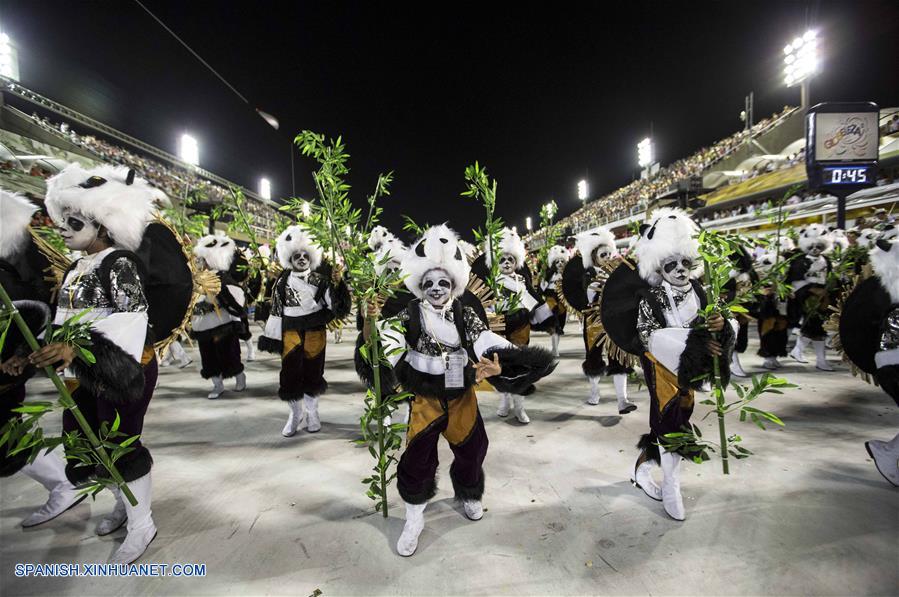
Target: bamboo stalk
68 402
719 393
375 356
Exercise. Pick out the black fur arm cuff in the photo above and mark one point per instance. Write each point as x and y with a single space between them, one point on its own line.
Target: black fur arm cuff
366 372
697 365
522 367
115 376
341 303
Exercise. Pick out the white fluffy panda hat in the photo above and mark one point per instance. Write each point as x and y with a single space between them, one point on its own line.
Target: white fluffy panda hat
838 238
438 248
392 249
111 196
667 232
294 239
17 212
814 234
588 242
217 250
378 236
885 263
557 253
509 243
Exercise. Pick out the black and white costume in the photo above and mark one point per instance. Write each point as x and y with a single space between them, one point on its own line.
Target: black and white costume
111 286
653 312
585 279
521 306
869 334
771 317
556 258
808 308
304 301
433 360
23 271
220 321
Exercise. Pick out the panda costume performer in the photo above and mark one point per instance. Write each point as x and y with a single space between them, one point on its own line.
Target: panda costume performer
869 335
305 298
445 351
106 214
219 321
521 306
556 259
808 306
771 322
653 311
23 268
582 285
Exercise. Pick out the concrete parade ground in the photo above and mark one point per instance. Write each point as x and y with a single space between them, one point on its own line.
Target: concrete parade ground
807 514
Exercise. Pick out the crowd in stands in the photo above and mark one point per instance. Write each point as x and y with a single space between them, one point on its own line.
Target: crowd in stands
635 197
175 182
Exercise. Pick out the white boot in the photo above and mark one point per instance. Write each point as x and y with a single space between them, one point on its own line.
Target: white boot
771 363
218 387
624 405
796 353
179 354
736 369
505 402
50 471
415 524
643 479
518 409
313 423
821 356
294 420
115 519
251 350
594 391
671 496
474 510
240 382
886 458
555 340
141 529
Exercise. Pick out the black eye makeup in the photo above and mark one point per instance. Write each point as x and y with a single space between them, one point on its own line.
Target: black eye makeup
669 267
75 224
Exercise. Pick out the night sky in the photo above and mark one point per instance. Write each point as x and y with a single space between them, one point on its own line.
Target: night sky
541 96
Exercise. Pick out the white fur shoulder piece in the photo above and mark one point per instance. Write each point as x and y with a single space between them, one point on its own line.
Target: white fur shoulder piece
16 213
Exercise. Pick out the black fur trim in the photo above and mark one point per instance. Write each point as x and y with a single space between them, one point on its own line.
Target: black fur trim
650 447
432 386
419 498
309 390
10 465
594 365
132 465
232 327
522 367
341 303
271 345
78 475
115 377
696 362
366 372
468 493
888 379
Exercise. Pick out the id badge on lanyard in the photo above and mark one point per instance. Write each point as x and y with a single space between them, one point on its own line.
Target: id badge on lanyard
454 376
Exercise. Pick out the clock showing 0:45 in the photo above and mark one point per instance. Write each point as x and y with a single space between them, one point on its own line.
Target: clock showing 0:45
848 175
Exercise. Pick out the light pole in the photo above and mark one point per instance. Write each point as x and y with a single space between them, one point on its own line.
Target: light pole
582 192
646 157
801 63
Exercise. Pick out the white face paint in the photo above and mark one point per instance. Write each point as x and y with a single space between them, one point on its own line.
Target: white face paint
507 264
77 231
601 254
560 265
817 248
437 287
300 261
676 270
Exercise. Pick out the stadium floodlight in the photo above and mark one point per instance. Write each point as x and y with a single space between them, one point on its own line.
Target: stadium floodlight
527 223
9 59
265 188
644 152
189 150
582 190
801 62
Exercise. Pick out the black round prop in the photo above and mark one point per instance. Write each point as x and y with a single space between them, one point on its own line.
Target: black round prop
620 303
860 320
169 284
573 283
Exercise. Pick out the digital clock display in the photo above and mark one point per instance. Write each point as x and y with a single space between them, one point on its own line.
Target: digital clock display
848 175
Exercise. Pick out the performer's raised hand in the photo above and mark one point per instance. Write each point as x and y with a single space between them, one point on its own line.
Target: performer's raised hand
715 322
14 365
486 368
